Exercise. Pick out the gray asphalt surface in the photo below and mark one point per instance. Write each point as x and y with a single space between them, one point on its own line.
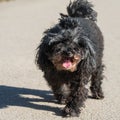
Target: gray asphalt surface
24 94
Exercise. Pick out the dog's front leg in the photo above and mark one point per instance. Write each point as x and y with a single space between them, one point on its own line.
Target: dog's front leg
75 100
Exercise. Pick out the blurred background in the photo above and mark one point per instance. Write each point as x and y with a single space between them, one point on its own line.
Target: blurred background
24 94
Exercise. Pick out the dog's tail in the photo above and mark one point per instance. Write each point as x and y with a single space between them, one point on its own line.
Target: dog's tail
81 8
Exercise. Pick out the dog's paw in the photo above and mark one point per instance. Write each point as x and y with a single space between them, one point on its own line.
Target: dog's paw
98 95
70 112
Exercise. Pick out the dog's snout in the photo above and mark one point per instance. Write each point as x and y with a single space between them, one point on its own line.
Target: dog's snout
67 53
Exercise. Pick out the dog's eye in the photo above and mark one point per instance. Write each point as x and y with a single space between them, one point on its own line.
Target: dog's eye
57 50
76 49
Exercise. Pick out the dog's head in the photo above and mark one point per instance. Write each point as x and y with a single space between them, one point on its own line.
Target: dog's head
65 47
65 50
65 55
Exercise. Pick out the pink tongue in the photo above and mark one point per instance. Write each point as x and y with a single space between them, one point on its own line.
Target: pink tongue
67 64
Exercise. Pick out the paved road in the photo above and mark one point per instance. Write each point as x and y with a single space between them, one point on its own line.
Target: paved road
24 95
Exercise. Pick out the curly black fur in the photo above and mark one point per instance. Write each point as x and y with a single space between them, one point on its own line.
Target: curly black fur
75 39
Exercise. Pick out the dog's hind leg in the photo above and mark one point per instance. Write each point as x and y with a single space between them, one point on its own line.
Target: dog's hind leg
96 82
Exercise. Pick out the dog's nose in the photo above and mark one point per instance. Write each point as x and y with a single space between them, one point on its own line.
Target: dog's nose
67 53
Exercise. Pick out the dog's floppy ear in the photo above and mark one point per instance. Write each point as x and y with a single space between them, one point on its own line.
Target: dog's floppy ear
89 53
41 58
44 49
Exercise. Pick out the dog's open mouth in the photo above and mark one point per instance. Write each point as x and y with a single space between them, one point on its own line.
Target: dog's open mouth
67 63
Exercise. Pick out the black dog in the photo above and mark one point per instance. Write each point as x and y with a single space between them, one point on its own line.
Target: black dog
70 54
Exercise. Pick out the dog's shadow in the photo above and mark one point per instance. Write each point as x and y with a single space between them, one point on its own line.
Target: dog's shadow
14 96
